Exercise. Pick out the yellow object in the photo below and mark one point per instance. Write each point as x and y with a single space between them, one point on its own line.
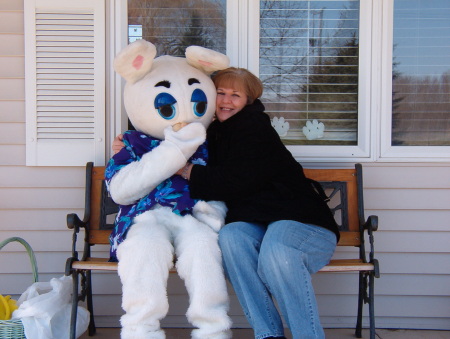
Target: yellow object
7 307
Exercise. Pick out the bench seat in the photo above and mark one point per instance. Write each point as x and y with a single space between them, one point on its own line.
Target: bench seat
338 265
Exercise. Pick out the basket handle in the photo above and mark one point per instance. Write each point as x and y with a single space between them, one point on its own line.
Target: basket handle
29 251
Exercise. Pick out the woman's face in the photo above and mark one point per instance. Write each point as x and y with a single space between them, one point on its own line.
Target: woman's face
229 101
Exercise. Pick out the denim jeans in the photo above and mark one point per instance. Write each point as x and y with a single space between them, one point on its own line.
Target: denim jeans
277 261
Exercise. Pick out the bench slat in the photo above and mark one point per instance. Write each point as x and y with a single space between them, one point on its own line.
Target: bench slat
101 264
347 238
347 265
338 265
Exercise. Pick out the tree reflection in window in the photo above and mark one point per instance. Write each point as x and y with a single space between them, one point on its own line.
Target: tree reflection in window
309 66
176 24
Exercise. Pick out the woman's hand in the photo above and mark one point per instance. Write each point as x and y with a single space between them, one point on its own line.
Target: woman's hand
118 144
185 171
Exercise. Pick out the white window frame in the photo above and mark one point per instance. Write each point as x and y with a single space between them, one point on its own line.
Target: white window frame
388 152
358 153
118 39
375 82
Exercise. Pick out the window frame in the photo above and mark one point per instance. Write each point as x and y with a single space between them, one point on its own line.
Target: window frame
387 151
320 153
375 82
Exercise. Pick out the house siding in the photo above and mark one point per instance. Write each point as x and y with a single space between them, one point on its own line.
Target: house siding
411 200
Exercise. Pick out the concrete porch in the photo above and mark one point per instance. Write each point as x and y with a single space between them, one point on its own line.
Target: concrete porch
176 333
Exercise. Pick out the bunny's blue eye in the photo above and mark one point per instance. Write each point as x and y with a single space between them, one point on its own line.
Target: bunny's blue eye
166 105
199 102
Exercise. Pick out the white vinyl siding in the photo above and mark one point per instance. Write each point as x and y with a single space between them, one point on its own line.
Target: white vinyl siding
65 82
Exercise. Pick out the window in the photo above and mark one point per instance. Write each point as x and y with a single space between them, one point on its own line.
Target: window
375 73
308 56
315 61
308 62
421 73
416 97
174 25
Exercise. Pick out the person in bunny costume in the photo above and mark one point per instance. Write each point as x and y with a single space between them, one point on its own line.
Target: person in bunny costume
170 101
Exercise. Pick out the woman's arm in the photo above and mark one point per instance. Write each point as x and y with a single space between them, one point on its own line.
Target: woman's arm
249 163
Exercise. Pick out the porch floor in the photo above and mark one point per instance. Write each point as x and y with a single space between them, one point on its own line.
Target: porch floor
177 333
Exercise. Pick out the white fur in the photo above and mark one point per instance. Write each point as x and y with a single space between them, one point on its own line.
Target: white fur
212 213
205 59
139 97
126 62
146 255
187 139
145 258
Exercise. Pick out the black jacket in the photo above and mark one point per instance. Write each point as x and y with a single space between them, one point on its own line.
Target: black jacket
252 171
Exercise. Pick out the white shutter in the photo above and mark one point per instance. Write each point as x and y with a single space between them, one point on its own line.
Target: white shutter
65 82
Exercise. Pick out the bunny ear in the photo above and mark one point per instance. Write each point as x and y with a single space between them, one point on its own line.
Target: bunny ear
206 59
135 60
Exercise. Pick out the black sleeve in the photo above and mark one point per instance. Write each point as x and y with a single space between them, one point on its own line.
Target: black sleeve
251 161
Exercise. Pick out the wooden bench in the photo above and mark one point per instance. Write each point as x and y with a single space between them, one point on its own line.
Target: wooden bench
343 187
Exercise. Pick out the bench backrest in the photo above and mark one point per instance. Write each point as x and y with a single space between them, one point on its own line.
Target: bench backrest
342 186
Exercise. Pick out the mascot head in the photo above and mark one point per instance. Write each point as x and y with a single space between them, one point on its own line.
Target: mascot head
168 91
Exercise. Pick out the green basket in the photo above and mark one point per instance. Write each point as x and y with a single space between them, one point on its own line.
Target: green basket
13 329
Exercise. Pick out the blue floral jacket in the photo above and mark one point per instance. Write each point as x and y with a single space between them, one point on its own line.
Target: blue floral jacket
172 192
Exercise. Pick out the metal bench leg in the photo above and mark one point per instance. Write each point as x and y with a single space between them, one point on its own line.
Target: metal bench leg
73 316
358 329
371 305
90 305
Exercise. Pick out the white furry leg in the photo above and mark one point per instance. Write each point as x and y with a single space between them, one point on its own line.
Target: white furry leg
199 264
145 258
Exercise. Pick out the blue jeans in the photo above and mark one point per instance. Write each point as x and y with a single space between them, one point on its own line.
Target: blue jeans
277 261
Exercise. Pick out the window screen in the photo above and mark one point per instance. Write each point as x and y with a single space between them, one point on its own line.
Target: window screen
421 73
309 67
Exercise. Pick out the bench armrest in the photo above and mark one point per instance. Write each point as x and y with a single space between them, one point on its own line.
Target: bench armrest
371 225
75 223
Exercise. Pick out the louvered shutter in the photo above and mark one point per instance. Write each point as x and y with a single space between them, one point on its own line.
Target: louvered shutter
65 82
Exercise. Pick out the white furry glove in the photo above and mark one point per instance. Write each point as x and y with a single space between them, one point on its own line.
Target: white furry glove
187 139
212 213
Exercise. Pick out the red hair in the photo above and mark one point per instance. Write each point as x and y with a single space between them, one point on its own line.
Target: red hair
240 79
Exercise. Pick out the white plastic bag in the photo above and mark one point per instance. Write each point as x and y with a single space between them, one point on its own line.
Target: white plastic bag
45 309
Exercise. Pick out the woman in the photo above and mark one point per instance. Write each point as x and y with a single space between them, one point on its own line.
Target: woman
278 230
